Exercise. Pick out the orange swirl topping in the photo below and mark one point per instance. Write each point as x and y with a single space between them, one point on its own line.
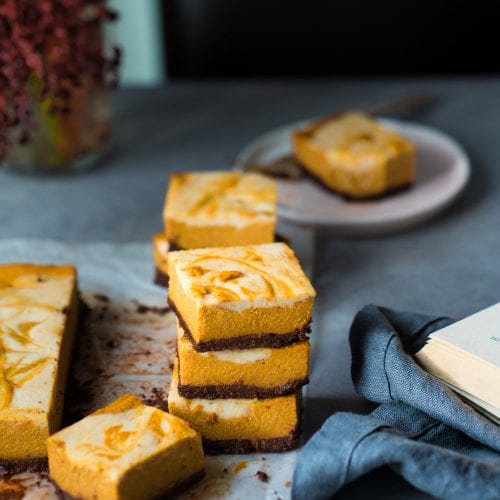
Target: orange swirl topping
209 195
233 274
114 436
29 299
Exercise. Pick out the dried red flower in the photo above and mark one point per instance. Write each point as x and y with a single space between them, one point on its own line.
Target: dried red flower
58 42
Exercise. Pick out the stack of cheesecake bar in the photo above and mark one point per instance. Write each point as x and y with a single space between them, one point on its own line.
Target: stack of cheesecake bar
243 305
243 318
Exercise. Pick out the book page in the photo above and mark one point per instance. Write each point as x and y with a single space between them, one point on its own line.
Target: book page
478 334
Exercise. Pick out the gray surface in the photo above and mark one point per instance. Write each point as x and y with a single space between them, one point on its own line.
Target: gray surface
449 266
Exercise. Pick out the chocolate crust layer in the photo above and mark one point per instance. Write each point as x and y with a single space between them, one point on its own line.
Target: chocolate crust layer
275 340
160 278
242 446
174 247
21 465
240 391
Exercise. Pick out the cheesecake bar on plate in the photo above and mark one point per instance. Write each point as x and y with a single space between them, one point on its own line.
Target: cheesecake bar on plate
207 209
38 319
354 155
125 451
240 297
261 372
240 425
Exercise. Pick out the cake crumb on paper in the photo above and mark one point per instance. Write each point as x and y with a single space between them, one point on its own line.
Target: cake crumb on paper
262 476
241 466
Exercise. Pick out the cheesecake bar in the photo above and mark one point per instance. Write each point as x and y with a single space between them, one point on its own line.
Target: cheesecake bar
208 209
240 297
240 425
355 155
261 372
38 319
125 451
161 248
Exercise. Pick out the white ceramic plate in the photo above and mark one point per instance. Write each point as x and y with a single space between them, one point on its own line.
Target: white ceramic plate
443 170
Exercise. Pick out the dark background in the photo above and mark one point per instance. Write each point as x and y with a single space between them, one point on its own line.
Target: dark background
280 38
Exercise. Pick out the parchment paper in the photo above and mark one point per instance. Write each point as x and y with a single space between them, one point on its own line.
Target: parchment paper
127 344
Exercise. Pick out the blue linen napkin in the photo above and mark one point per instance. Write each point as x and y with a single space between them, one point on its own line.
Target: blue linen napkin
421 429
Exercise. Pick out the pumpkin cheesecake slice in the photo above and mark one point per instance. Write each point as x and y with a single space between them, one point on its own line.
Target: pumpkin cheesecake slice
38 319
355 155
161 248
213 209
261 372
125 451
240 425
240 297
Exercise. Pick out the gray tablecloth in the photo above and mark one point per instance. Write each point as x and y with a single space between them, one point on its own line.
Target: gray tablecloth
448 266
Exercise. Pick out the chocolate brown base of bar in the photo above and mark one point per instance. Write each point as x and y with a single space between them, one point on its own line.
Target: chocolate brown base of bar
386 194
239 391
21 465
160 278
243 446
275 340
174 247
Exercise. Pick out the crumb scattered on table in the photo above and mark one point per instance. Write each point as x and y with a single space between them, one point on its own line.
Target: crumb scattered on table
145 309
241 466
262 476
101 297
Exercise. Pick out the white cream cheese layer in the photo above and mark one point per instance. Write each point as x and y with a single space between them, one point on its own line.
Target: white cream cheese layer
225 409
239 356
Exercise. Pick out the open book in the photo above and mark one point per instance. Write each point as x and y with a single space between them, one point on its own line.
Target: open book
466 356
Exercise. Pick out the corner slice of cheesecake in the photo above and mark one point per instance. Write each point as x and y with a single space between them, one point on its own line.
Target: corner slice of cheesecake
212 209
125 451
240 297
354 155
240 425
38 318
261 372
161 248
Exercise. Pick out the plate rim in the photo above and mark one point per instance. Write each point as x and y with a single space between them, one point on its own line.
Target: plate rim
378 223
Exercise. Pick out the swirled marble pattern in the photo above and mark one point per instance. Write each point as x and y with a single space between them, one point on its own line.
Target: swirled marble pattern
114 438
234 198
254 274
34 302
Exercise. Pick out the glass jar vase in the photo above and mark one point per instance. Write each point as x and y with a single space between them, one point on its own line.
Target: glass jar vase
64 142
